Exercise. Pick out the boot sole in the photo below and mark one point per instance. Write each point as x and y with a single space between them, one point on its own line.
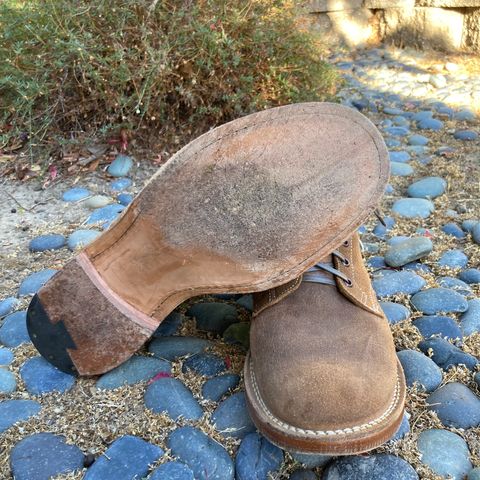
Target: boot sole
245 207
347 441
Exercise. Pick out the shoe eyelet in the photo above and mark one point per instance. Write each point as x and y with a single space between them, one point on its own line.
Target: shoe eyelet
346 262
346 243
348 283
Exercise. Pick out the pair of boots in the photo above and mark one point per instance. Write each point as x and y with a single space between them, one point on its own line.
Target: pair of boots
268 203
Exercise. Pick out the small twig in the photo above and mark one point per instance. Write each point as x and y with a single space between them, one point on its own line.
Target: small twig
18 203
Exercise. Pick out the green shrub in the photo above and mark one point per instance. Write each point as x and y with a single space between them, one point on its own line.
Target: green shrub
162 66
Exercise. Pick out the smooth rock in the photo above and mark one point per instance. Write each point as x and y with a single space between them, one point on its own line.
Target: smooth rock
427 187
381 230
413 207
170 325
13 411
403 429
396 240
464 115
44 455
476 233
51 241
455 284
395 312
302 474
215 388
420 370
173 397
412 249
446 453
437 300
438 326
400 169
465 135
393 283
120 166
105 216
446 355
474 474
311 460
231 417
171 348
97 201
453 259
207 459
397 131
256 458
213 317
136 369
121 184
470 276
125 199
13 331
238 334
438 81
81 238
418 140
6 356
75 194
401 157
430 124
8 384
246 301
172 471
7 305
417 267
128 457
42 377
206 364
376 262
35 281
470 320
453 230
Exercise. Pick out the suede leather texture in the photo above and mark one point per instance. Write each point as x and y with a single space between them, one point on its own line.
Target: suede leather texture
322 359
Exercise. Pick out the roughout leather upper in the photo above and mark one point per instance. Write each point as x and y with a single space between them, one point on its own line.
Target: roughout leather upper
322 360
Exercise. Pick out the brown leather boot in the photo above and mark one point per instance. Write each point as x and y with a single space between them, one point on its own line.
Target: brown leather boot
322 375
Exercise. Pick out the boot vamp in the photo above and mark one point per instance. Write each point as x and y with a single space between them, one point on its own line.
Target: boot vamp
321 362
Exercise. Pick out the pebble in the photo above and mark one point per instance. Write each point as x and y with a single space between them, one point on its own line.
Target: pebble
389 189
302 474
438 81
470 275
246 301
413 207
207 459
13 411
105 216
50 241
13 331
171 348
430 124
381 230
392 142
470 320
35 281
206 364
393 283
136 369
75 194
6 356
173 397
120 166
376 262
170 325
311 460
238 334
213 317
215 388
417 267
401 157
464 115
453 259
44 455
121 184
422 115
172 471
125 199
368 467
81 238
403 429
427 187
7 305
97 201
465 135
400 169
476 233
395 312
446 355
127 457
455 284
420 369
453 230
418 140
437 300
474 474
412 249
256 458
231 417
8 384
446 453
397 131
438 326
41 377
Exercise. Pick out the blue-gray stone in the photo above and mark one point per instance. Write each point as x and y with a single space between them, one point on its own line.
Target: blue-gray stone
35 281
256 458
437 300
453 259
75 194
474 474
6 356
445 151
446 453
392 142
170 325
207 459
7 305
171 348
453 229
13 331
470 320
380 230
51 241
246 301
395 312
446 355
105 216
81 238
466 135
446 112
418 140
476 233
430 124
396 240
376 262
378 466
420 369
397 131
173 397
206 364
302 474
44 455
172 471
456 405
422 115
470 275
311 460
427 187
400 121
121 184
417 267
438 326
408 251
403 429
136 369
13 411
231 417
393 283
392 111
400 169
413 207
455 284
8 384
464 115
468 225
371 247
125 199
41 377
389 189
215 388
401 157
213 317
238 334
127 457
120 166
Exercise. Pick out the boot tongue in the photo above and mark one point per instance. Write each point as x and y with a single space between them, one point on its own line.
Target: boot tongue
316 275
